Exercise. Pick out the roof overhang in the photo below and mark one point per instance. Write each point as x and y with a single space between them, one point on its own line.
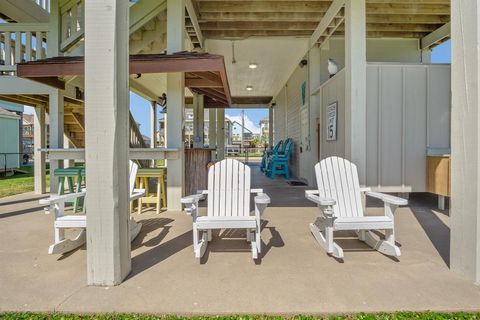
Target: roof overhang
204 73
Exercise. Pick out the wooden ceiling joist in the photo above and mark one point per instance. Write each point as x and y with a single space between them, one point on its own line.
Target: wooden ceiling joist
237 19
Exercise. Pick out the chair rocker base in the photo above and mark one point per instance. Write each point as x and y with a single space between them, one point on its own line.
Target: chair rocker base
67 245
382 246
335 251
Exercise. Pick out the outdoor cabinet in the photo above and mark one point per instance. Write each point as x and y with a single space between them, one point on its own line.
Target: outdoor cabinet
196 169
438 175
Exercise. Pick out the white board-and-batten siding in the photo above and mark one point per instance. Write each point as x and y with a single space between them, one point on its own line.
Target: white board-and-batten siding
408 111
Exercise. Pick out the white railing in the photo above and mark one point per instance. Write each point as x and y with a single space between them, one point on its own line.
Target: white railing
44 4
20 42
71 23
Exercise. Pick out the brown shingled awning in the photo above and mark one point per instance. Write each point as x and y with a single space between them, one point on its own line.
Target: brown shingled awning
204 73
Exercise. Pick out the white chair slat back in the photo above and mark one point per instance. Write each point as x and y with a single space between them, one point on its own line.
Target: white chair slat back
132 176
229 189
337 178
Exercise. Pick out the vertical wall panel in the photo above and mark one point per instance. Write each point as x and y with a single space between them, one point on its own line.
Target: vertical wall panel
390 146
438 107
279 117
415 127
331 91
294 103
373 101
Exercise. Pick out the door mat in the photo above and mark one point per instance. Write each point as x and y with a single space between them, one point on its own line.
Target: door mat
296 183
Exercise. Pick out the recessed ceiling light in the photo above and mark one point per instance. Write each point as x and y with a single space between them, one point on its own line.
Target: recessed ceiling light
249 88
252 65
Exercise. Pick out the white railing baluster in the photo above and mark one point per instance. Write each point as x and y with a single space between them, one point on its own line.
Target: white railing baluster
28 46
18 47
38 45
8 48
74 23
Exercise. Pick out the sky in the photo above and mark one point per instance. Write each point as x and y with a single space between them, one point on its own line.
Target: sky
140 107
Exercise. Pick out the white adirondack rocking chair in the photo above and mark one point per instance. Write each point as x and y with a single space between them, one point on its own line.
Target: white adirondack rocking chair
62 221
339 199
228 206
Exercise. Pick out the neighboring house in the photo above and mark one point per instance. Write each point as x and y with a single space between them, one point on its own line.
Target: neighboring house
27 133
188 131
9 140
236 133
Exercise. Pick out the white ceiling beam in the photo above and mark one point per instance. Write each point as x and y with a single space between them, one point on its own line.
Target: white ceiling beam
436 36
143 92
327 19
194 19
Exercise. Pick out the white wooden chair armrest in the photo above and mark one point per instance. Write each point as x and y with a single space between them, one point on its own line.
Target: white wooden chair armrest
365 189
191 199
62 198
261 203
323 202
262 198
388 198
191 205
257 191
202 192
137 194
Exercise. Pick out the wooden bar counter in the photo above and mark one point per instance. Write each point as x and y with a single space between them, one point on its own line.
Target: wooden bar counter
196 171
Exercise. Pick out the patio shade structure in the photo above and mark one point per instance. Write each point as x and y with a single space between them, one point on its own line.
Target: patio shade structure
204 73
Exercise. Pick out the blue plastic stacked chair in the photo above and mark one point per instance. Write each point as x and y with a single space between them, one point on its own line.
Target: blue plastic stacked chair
277 163
267 153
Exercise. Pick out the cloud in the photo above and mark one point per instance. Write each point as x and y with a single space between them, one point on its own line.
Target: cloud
249 124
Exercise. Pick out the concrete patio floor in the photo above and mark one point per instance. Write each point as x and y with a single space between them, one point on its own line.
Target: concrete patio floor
294 275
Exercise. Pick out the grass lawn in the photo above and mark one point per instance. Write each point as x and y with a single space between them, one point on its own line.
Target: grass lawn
19 182
360 316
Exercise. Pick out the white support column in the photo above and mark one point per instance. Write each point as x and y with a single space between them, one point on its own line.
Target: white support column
67 145
153 124
107 141
355 85
198 122
270 126
39 142
153 128
220 134
465 174
176 105
53 39
212 130
55 116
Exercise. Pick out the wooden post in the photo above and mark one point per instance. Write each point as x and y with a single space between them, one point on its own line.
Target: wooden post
56 114
355 85
465 174
106 140
212 130
153 127
198 121
153 124
39 140
220 134
270 126
66 145
176 105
